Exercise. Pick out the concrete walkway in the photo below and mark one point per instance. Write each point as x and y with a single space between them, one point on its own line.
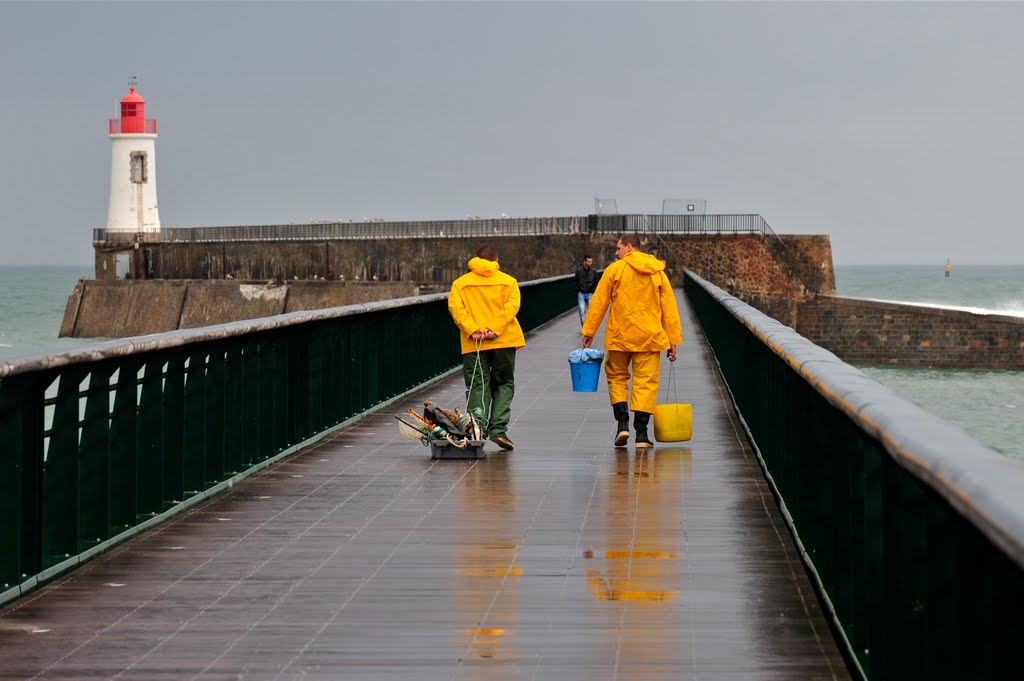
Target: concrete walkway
361 558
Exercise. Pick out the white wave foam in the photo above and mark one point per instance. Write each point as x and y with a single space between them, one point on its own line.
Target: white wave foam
1012 312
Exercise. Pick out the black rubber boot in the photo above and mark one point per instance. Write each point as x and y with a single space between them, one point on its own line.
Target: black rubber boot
621 411
640 421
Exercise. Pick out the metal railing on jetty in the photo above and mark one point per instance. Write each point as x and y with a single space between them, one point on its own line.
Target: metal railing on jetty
653 226
452 229
100 442
692 224
914 530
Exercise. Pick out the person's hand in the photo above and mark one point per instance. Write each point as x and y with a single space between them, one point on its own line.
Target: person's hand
489 335
587 340
671 353
478 335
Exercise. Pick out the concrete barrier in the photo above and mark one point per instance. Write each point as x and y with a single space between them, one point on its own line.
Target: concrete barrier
115 309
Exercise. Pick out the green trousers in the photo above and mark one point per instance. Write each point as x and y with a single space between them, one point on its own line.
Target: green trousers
491 386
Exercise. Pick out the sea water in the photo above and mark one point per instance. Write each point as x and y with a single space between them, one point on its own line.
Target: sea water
987 404
979 288
32 302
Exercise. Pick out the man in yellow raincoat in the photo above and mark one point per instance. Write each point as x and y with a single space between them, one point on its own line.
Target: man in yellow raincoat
644 320
484 302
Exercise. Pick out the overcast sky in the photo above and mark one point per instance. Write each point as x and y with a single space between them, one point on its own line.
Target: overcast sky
898 129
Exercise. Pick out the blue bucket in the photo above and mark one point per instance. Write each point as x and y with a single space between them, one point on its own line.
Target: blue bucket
584 376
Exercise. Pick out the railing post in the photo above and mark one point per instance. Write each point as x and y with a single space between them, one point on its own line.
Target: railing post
124 443
193 424
172 430
214 466
60 479
21 477
94 461
149 460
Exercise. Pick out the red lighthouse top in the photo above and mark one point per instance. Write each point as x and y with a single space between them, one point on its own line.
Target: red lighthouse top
133 116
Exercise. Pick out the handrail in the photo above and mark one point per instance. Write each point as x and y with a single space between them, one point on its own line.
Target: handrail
103 440
913 529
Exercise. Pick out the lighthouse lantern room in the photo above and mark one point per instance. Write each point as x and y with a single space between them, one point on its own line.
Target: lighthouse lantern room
133 206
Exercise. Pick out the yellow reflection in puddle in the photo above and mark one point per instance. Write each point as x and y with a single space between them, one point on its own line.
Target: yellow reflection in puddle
487 597
491 572
638 554
600 592
641 561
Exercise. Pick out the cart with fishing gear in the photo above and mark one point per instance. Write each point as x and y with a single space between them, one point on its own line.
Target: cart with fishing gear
450 434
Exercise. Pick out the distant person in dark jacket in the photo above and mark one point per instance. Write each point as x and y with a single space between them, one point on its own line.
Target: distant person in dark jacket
586 284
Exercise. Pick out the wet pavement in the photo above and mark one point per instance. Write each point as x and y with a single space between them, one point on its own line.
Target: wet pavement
363 558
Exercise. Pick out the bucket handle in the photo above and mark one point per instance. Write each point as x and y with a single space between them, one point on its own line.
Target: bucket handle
671 385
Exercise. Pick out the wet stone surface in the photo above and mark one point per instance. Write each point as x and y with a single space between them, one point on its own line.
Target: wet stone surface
363 558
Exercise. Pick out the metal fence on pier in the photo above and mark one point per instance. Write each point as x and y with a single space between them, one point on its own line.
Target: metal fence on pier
453 229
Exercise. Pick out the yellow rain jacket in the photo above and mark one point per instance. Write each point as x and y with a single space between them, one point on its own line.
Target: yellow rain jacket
486 298
644 316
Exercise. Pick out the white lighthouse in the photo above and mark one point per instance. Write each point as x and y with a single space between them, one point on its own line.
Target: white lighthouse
133 206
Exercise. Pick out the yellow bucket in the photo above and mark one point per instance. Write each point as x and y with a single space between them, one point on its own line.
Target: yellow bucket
673 422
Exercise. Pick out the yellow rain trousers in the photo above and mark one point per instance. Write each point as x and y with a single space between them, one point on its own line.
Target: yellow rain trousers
646 374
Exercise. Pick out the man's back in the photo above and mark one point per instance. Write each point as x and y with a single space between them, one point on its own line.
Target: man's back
486 297
644 315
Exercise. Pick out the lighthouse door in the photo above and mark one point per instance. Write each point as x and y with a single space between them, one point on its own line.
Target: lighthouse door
139 176
122 264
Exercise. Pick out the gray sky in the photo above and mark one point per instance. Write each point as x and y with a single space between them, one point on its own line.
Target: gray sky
898 129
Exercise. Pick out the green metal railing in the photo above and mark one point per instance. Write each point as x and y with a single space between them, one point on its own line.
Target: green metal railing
914 531
99 442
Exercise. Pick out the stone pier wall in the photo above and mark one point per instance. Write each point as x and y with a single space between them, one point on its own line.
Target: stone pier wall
184 284
864 331
750 265
114 309
875 332
746 261
790 278
437 261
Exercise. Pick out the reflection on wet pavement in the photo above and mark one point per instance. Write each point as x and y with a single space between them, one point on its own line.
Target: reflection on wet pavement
643 553
488 577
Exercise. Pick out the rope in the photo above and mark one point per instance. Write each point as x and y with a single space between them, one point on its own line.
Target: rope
469 391
460 444
472 378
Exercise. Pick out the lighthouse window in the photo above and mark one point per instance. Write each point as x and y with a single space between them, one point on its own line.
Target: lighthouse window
138 167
